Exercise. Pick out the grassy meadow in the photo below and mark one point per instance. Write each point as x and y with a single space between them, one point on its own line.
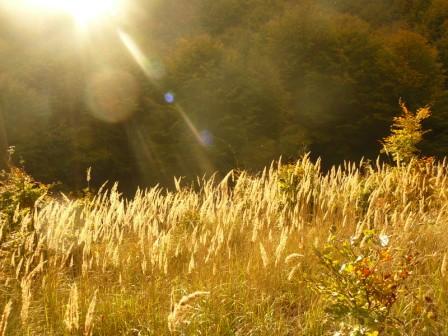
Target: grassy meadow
145 90
248 255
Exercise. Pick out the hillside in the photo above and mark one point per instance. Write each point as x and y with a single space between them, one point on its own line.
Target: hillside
289 251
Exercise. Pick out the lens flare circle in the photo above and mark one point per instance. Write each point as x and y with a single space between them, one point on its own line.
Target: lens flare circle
206 138
169 97
112 95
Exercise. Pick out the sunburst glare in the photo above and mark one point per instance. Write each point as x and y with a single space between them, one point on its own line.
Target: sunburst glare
83 12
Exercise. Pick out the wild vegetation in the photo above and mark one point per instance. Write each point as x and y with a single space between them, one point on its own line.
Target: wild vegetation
357 250
163 88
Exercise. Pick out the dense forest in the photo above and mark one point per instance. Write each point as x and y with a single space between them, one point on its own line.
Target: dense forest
186 88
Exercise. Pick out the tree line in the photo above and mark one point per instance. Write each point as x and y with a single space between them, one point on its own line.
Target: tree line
188 88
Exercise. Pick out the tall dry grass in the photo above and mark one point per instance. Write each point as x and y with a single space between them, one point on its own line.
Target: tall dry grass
243 246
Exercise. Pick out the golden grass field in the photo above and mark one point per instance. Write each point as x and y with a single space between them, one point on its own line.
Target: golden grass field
232 257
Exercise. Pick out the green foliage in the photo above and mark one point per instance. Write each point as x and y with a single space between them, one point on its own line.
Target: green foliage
360 282
407 133
297 178
411 63
289 179
263 77
18 194
365 193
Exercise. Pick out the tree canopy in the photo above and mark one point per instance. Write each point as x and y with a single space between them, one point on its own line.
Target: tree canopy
188 88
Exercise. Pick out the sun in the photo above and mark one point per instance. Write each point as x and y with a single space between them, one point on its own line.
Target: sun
86 11
83 12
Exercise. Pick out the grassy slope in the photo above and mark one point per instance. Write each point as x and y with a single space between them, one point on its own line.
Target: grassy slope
143 255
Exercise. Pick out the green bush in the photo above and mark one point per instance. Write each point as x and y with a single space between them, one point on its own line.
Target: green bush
18 194
289 178
360 281
407 133
294 177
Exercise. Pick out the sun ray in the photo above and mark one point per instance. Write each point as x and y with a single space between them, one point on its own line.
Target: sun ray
155 71
145 65
151 68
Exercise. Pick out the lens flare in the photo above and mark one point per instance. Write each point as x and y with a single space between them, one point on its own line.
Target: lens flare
169 97
152 67
112 95
206 138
